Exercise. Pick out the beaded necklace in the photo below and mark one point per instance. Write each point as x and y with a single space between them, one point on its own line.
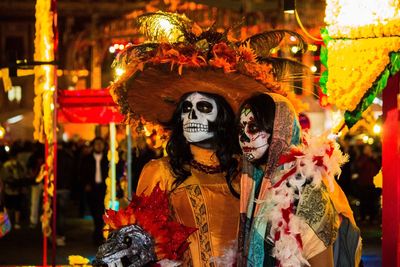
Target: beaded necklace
205 168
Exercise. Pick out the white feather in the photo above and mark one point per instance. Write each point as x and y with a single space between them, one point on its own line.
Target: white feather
287 249
169 263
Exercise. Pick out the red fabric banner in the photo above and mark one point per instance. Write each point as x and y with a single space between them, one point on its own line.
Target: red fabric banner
87 106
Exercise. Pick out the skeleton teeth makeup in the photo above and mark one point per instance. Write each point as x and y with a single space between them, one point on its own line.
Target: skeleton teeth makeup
197 112
253 141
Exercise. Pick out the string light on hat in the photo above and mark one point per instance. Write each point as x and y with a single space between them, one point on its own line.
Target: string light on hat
115 48
119 72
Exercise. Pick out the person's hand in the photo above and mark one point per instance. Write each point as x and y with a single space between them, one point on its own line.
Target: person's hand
88 188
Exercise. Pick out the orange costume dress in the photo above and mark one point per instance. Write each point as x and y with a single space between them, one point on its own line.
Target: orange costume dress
203 201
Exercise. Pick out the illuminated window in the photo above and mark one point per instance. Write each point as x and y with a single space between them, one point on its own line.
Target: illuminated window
15 94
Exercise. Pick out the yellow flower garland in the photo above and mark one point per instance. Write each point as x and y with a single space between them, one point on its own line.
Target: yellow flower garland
43 121
362 18
44 74
354 65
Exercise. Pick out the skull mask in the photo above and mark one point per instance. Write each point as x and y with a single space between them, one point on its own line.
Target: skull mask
197 112
130 246
252 139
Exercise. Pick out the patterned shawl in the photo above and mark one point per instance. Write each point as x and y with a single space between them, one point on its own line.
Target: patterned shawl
286 132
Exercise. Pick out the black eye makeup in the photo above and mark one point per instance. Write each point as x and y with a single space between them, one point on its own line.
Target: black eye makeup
253 128
204 106
186 107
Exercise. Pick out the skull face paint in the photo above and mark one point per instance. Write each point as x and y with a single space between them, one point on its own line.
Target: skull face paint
253 141
197 112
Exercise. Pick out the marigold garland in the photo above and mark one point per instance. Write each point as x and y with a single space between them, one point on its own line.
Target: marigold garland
48 190
43 121
107 197
352 75
375 18
44 74
359 68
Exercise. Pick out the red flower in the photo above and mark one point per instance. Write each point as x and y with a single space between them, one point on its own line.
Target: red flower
152 213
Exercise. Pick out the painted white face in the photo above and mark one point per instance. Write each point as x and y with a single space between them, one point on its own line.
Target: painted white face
253 141
198 110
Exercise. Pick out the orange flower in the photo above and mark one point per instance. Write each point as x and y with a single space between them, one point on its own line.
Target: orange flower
246 53
222 50
262 73
196 29
220 62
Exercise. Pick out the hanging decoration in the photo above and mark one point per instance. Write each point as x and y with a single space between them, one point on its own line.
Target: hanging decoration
361 54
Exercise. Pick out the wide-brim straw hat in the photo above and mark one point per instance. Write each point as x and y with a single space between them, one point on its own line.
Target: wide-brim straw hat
158 73
155 92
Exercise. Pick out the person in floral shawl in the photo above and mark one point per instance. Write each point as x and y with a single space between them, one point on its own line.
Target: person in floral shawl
292 210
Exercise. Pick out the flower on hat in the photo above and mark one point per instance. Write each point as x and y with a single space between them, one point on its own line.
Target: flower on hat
179 43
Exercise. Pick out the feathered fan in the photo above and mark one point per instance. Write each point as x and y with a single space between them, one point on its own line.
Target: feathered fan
264 42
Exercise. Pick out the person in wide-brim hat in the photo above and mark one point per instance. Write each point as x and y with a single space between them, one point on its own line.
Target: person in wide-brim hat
163 79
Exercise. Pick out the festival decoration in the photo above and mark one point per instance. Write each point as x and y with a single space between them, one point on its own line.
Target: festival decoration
107 198
44 125
143 233
361 53
44 74
44 108
374 18
5 223
187 50
78 261
365 124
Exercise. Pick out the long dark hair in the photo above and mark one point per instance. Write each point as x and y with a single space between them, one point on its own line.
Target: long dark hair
225 140
263 108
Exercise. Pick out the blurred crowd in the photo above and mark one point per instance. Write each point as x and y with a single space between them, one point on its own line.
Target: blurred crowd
359 179
82 168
